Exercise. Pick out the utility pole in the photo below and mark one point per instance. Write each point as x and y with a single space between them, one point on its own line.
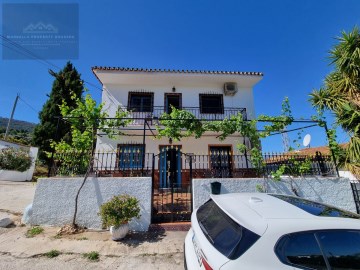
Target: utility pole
11 117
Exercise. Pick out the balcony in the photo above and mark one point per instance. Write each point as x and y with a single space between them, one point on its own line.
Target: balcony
199 113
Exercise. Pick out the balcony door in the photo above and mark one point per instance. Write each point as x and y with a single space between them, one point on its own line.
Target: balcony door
172 99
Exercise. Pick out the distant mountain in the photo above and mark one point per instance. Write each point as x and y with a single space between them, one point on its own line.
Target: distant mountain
17 124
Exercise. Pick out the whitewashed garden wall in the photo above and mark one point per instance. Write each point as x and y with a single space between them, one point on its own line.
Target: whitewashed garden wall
54 200
6 175
332 190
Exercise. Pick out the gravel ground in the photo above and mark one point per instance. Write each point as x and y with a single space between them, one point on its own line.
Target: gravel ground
77 262
15 196
152 250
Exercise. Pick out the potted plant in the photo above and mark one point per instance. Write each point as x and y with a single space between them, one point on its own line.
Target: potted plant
117 213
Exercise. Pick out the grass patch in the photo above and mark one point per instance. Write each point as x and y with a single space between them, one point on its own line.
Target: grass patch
52 253
82 238
34 231
148 254
92 256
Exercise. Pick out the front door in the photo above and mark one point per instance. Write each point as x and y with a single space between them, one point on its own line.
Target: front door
170 166
172 100
221 161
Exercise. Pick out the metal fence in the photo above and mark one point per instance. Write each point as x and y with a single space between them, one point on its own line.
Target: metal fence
318 164
233 166
203 166
72 163
355 187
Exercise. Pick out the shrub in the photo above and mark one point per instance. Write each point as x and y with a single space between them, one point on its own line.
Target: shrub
14 159
119 210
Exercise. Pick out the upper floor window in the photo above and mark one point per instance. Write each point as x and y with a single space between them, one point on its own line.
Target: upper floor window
211 103
141 102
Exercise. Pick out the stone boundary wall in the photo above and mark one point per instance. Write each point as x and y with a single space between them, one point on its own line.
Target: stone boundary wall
54 200
334 191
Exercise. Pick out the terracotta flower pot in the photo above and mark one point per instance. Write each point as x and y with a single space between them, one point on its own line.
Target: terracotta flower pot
118 233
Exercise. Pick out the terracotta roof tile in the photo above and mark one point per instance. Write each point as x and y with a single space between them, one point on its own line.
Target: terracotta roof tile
155 70
312 151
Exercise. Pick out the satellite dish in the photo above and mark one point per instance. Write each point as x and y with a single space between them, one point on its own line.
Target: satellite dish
307 139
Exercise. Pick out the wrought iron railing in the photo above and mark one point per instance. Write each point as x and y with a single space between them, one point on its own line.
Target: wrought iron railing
232 166
215 165
106 163
319 164
153 116
355 186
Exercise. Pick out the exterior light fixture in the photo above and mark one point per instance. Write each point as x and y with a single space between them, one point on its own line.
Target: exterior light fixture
174 89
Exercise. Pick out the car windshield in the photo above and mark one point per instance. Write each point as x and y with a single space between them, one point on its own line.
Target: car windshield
315 208
227 236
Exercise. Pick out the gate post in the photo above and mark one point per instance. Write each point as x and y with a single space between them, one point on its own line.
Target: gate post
152 186
191 184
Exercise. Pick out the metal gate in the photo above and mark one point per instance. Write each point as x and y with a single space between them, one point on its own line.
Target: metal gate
171 185
355 186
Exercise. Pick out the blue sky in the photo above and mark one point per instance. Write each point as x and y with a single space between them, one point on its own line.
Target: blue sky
286 40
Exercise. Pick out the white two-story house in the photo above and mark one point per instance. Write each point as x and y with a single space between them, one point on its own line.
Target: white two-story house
147 93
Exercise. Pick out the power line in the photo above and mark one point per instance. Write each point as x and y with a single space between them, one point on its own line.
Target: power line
31 107
20 49
36 57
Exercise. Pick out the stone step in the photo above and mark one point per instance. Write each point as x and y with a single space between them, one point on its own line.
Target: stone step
175 226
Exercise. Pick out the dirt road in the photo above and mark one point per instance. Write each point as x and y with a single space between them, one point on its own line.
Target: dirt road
152 250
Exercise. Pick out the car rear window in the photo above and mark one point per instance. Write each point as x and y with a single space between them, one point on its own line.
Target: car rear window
301 250
227 236
321 249
341 248
317 209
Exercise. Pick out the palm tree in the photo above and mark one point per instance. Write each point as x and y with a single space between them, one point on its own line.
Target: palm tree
341 93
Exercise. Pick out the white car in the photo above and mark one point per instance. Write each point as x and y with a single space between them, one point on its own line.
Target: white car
254 231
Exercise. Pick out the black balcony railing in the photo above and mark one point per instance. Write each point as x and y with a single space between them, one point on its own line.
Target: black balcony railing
203 166
157 111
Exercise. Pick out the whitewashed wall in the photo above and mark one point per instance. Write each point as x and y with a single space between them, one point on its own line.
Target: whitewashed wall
188 145
347 174
116 95
15 175
54 200
334 191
